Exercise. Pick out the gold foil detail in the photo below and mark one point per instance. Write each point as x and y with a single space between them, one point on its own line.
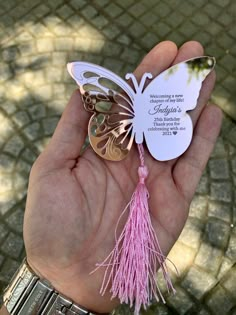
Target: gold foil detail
110 130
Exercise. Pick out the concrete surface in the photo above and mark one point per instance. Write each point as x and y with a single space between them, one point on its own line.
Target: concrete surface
37 39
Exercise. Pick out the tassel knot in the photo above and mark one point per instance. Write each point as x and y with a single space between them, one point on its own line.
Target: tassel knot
142 173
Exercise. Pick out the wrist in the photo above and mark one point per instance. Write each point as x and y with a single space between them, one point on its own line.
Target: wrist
76 282
29 294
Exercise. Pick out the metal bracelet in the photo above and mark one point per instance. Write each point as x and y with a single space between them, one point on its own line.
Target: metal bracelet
27 294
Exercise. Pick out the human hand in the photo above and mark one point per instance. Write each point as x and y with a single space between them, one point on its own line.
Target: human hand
74 201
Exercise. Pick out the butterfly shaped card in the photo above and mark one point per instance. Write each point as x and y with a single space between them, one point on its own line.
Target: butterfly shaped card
153 110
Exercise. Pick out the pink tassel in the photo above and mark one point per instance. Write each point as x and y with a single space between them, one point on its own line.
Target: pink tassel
131 266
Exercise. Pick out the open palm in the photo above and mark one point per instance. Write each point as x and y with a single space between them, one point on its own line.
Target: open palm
74 201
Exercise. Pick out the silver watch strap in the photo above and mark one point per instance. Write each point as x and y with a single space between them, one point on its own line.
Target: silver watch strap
27 294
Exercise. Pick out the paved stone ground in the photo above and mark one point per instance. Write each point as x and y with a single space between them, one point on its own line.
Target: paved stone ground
37 39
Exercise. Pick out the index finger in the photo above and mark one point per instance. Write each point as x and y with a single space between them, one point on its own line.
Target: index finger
158 59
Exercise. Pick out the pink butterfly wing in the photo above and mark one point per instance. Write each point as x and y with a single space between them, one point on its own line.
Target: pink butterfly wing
110 100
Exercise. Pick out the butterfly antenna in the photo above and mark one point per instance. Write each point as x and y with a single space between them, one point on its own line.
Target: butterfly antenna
130 76
145 76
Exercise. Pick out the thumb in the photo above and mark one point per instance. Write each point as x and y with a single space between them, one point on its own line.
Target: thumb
70 134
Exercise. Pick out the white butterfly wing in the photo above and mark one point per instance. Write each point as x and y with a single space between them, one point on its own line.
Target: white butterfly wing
80 72
110 99
167 127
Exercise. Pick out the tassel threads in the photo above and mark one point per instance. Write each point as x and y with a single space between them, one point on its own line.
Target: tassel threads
131 266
